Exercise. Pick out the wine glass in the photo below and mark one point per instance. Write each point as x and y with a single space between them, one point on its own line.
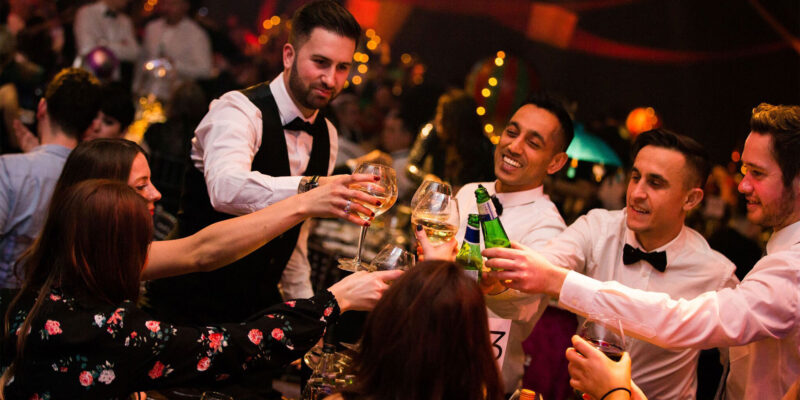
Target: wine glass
438 214
385 189
605 334
392 257
430 186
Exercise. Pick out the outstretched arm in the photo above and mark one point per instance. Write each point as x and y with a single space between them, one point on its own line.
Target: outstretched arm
222 243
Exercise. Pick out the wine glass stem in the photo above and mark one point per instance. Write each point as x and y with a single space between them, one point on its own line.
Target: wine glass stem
357 260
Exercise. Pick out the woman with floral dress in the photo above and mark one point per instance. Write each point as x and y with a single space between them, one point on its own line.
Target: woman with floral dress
74 330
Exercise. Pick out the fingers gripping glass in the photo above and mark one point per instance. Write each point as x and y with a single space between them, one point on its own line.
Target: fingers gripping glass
385 189
606 335
438 214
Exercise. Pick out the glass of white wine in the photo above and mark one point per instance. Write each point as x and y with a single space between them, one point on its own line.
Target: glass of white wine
430 186
438 215
385 189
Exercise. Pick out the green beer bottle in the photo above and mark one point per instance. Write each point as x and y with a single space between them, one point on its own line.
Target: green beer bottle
469 255
493 233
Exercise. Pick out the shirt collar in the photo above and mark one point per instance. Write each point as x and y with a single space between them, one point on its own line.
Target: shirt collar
784 238
670 247
54 149
286 107
513 199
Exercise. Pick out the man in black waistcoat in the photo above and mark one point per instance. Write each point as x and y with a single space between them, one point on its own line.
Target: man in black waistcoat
256 147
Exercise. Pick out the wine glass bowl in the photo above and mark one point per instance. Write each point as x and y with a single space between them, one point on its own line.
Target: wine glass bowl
430 186
392 257
606 335
385 189
380 190
438 214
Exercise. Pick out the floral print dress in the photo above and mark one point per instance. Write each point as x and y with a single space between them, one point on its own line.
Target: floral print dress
82 350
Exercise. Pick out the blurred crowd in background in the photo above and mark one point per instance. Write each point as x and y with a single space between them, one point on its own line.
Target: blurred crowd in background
163 61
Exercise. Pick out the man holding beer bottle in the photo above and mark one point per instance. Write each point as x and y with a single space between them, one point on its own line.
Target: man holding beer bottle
648 247
531 146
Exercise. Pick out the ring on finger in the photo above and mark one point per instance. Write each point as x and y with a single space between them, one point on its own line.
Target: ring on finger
507 281
347 207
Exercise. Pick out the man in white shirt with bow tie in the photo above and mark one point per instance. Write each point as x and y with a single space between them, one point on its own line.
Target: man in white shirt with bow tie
532 146
647 246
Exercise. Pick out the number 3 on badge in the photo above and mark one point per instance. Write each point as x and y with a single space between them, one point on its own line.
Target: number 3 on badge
498 329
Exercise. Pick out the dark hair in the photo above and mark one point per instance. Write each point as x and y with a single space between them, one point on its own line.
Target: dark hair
402 115
94 244
695 154
117 102
325 14
783 124
428 338
98 159
556 105
188 104
73 98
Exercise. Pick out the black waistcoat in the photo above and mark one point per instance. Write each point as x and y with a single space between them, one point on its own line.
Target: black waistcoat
234 292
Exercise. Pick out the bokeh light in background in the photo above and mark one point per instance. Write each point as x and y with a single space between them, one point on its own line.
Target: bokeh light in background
499 85
642 119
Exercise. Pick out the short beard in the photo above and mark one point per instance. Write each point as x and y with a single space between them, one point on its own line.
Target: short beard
301 93
784 210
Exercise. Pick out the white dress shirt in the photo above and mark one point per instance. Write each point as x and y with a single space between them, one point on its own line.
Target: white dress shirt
760 317
529 217
225 143
186 44
593 246
94 28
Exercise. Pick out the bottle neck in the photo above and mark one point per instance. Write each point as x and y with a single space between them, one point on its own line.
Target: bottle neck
487 211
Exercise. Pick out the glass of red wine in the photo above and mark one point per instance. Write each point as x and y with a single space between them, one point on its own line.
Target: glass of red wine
605 334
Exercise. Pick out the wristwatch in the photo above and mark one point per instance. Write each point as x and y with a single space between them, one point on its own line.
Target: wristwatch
307 183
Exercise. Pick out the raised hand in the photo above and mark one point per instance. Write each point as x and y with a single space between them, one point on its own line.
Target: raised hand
523 269
334 198
25 138
427 251
595 374
362 290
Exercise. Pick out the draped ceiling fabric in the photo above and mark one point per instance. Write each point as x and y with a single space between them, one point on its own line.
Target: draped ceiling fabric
555 24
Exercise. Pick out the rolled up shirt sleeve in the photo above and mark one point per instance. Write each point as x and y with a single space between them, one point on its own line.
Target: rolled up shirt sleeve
225 143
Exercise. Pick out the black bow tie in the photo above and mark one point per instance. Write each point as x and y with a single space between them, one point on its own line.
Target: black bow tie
298 124
658 259
497 205
110 13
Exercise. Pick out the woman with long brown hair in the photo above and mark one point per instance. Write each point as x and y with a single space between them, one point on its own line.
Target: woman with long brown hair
75 324
218 244
427 339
